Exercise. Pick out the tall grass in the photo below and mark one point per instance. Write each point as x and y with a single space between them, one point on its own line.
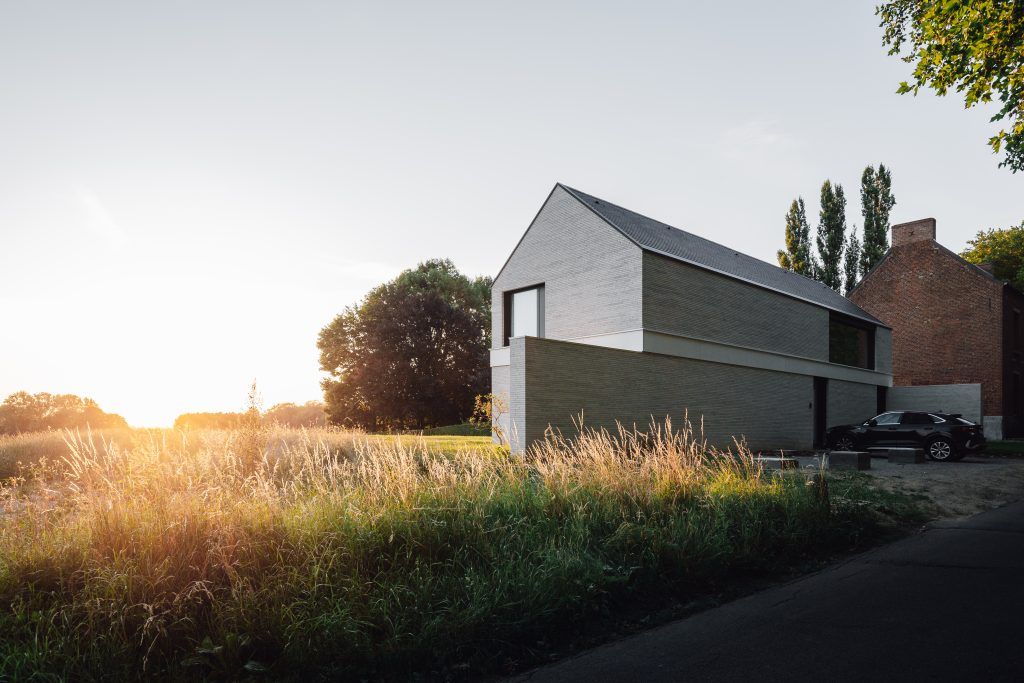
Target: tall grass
333 554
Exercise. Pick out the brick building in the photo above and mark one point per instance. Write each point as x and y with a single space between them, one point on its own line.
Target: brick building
953 322
605 313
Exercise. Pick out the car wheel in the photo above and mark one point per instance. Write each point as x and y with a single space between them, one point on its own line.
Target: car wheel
941 449
845 443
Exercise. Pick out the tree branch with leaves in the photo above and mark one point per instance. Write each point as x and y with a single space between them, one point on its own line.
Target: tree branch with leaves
975 48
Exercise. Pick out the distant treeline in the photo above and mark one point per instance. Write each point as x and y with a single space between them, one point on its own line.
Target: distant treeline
25 412
309 414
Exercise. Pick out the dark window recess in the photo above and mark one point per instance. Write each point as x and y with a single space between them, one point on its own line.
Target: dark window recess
880 393
820 410
506 318
1015 395
851 342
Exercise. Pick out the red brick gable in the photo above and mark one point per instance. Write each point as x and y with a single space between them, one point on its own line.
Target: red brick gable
946 317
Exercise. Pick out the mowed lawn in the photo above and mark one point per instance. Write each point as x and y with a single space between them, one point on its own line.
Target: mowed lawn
442 444
298 554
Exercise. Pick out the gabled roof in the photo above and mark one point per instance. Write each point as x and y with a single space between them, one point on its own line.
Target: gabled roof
972 267
659 238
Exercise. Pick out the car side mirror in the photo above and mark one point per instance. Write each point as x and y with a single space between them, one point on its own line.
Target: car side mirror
872 422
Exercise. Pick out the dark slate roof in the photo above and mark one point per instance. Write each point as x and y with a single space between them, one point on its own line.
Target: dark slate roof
657 237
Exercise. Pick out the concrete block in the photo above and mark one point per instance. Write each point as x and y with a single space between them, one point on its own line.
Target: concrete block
776 463
906 456
848 460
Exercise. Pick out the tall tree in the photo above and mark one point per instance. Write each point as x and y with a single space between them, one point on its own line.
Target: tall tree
876 202
797 256
412 354
831 234
309 414
25 412
1004 249
851 261
975 48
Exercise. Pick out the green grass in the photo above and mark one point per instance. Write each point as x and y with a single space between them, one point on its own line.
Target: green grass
1005 447
326 554
442 444
465 429
865 508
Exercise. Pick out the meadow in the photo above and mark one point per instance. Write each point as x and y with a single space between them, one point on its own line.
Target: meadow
335 554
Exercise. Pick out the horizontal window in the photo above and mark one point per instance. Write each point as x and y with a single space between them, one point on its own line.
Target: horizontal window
850 343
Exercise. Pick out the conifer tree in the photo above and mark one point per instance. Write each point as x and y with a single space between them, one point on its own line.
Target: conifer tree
831 234
876 202
797 255
851 261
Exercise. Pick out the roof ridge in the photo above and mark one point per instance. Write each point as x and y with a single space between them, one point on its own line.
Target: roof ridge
752 279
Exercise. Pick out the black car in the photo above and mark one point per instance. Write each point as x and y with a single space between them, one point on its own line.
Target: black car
941 435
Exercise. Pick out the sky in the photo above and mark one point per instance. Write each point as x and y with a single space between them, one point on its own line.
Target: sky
190 191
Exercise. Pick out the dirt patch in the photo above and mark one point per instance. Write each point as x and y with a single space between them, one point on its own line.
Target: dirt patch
959 489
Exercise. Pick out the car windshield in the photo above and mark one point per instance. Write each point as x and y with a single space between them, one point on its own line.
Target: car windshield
887 418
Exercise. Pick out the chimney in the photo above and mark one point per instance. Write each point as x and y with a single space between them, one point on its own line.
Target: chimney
914 231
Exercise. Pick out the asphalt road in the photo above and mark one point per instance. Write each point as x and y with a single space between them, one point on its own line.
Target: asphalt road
947 604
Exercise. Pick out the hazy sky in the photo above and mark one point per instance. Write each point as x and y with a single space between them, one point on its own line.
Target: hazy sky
189 191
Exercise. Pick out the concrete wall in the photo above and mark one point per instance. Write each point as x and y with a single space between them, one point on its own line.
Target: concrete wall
682 299
850 402
770 409
591 273
945 398
501 386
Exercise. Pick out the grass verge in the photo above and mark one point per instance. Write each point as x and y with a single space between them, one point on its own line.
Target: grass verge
336 555
1004 448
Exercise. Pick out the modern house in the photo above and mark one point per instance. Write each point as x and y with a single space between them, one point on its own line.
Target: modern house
956 328
603 312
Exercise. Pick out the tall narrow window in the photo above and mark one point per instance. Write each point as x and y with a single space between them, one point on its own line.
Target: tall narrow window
524 313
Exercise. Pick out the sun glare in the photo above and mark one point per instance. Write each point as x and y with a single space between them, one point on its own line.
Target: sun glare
151 328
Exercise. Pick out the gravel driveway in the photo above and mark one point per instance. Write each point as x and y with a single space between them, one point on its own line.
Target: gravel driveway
972 485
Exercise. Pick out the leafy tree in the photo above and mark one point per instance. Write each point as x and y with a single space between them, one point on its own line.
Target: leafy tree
412 354
309 414
209 421
851 261
25 412
975 48
876 202
831 234
797 256
1004 249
